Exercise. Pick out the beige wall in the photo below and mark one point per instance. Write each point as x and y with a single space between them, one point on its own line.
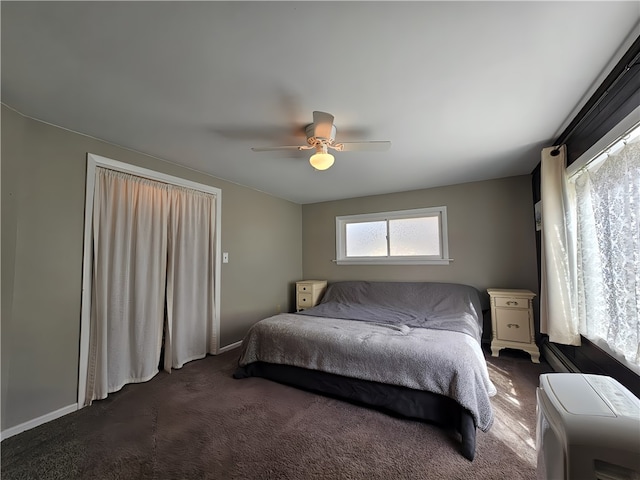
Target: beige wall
491 235
491 238
43 190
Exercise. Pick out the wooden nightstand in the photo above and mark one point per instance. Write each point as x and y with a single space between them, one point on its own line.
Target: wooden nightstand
309 293
512 321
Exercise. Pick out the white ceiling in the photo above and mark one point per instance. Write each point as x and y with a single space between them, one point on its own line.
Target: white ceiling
465 91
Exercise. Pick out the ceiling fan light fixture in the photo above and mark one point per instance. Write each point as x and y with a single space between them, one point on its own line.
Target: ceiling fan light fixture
321 161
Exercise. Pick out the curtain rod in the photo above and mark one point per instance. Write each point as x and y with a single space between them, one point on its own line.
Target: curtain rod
628 60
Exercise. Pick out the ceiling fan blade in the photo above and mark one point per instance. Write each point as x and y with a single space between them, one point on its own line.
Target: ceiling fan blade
269 149
259 133
381 146
323 124
283 147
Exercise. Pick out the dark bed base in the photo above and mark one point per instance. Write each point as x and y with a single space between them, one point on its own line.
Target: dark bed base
407 402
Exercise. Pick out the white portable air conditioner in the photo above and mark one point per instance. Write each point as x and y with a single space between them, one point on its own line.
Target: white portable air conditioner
588 427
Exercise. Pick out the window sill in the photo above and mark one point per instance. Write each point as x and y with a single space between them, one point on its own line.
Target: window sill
386 261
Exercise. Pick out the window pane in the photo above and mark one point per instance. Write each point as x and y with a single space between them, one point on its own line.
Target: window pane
367 239
414 236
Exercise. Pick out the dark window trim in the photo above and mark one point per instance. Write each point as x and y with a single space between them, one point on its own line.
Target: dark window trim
615 98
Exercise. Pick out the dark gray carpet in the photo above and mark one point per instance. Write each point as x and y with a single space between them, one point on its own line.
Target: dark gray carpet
200 423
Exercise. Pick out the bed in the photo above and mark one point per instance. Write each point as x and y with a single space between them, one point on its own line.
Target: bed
408 348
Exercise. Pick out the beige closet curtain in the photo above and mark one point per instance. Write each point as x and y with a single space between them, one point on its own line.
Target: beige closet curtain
190 277
129 277
154 249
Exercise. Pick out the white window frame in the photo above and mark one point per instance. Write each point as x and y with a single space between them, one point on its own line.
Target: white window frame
341 238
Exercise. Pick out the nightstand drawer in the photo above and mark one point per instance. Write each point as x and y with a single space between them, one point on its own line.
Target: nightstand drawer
305 300
513 326
306 287
506 302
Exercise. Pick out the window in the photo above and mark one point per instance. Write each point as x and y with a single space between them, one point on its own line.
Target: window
398 238
607 248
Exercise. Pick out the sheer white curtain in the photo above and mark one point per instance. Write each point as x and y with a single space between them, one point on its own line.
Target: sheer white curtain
129 277
608 245
154 258
557 292
190 278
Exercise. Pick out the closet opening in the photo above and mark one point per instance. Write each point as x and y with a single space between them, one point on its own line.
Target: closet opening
151 276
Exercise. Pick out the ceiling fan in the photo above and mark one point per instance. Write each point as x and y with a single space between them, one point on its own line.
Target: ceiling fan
321 136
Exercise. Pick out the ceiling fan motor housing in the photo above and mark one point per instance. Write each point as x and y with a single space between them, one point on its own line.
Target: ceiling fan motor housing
321 136
314 141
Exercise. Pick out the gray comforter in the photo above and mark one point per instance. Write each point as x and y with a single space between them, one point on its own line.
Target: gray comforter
393 335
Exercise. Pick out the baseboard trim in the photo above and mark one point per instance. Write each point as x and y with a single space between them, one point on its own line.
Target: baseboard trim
10 432
230 347
558 360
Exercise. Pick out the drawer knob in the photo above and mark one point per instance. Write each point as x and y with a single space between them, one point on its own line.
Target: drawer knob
512 302
514 325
